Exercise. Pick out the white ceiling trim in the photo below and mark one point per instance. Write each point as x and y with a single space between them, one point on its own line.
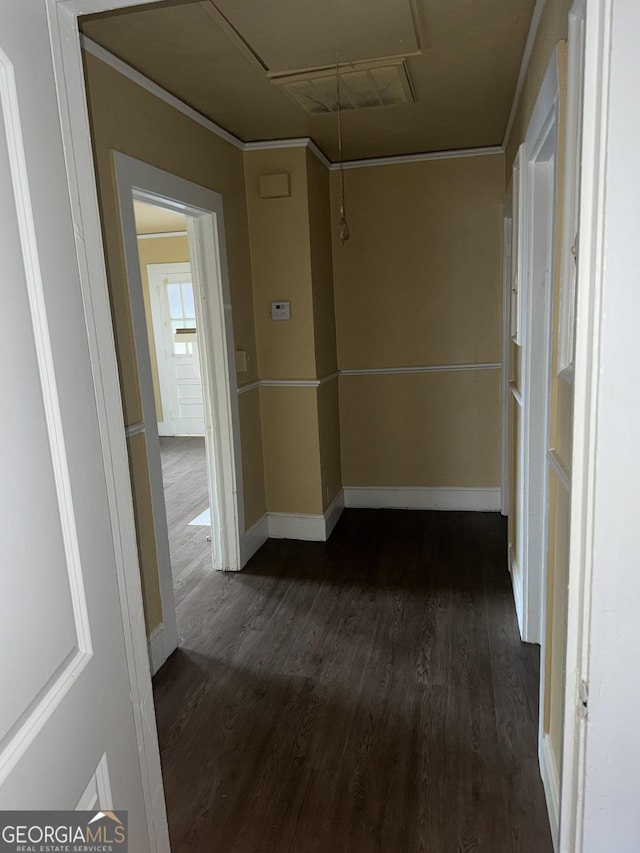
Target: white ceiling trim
299 142
419 158
524 67
146 83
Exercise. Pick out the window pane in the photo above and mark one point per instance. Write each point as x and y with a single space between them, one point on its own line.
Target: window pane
175 303
187 300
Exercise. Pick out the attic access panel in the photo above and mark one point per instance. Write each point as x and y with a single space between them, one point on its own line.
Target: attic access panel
290 35
362 85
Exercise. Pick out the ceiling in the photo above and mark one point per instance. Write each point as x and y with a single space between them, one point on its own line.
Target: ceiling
156 220
462 60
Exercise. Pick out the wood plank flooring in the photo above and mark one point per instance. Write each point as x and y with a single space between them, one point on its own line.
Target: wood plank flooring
186 495
365 694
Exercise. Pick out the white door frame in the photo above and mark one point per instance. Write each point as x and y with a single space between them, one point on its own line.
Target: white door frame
139 181
586 376
76 136
505 390
542 135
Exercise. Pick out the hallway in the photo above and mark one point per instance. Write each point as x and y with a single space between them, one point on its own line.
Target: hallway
366 694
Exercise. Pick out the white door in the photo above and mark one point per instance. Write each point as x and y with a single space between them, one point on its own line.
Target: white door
66 716
174 327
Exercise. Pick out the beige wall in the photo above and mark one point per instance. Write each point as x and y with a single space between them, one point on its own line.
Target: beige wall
126 118
281 263
324 319
252 456
291 440
143 514
421 429
419 284
329 431
291 260
158 250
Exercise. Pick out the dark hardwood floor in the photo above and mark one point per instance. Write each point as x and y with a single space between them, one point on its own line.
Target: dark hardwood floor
365 694
186 495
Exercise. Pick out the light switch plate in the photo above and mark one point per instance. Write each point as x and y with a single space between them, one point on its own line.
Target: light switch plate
280 310
242 361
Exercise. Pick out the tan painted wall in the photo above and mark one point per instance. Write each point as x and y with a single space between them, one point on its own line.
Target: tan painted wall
159 250
329 431
126 118
252 456
419 284
319 192
291 450
281 263
291 260
143 513
553 28
421 429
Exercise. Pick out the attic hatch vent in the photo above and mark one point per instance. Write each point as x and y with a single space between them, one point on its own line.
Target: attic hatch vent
376 83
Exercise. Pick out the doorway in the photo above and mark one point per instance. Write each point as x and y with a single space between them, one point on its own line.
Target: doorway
169 295
185 346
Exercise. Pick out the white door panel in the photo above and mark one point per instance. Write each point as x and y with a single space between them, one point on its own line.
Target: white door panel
171 296
65 708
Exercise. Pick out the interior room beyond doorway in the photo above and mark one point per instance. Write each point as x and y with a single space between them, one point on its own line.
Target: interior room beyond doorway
169 302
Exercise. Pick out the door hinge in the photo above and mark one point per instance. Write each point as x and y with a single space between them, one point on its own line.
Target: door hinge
583 699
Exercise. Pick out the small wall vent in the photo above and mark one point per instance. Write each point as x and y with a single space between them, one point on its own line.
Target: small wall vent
363 85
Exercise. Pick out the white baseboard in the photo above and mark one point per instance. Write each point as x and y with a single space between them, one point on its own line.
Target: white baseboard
253 539
285 525
333 513
478 500
157 646
309 528
518 592
550 783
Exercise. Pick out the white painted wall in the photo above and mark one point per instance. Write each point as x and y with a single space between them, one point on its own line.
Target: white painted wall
611 805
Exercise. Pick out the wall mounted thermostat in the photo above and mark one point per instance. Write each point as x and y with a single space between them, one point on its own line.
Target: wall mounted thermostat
280 310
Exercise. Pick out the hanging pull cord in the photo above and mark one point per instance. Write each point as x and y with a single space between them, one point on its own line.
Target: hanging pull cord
343 225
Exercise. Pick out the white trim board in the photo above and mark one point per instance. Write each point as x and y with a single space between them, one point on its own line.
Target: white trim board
157 644
293 525
159 235
524 67
551 785
309 528
427 368
396 159
253 539
146 83
366 371
408 497
299 142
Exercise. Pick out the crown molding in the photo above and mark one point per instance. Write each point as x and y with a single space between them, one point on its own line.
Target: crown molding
158 91
299 142
453 154
524 67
